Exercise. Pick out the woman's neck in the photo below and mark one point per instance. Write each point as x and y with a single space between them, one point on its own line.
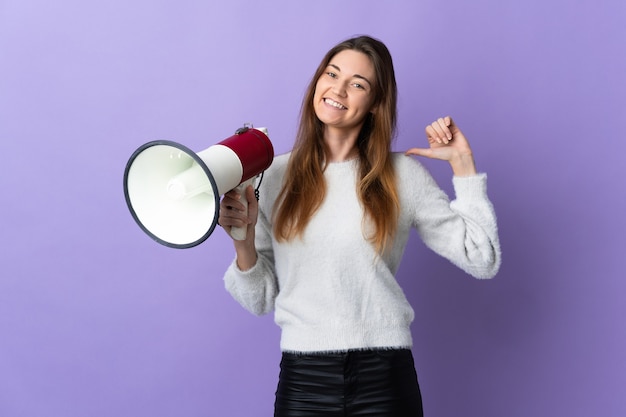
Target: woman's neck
341 144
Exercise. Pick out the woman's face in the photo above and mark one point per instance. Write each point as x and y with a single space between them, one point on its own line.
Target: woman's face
344 92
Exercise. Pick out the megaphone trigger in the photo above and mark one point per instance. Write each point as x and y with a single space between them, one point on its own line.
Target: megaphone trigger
240 233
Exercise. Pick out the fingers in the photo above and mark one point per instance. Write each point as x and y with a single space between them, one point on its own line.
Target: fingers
231 201
443 153
439 131
250 195
232 212
427 152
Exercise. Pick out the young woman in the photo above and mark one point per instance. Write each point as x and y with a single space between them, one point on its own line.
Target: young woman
326 238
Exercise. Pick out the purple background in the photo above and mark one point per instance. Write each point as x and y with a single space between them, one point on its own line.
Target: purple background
98 320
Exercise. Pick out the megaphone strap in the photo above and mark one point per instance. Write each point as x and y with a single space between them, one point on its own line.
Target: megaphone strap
256 190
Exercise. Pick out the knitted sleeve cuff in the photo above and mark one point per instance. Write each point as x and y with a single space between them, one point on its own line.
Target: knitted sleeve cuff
253 273
471 187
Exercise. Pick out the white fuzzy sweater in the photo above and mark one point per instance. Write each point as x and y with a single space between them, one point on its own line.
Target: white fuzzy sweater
330 291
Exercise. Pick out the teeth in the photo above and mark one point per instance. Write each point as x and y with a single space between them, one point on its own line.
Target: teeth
335 104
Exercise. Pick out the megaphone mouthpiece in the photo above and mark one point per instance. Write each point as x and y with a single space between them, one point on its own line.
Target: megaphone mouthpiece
188 183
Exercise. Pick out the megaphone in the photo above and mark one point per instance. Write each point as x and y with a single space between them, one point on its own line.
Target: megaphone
174 193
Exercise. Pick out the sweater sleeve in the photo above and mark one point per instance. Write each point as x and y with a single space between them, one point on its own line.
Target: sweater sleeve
463 230
255 289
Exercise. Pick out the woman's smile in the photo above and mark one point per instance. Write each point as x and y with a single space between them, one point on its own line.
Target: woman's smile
335 104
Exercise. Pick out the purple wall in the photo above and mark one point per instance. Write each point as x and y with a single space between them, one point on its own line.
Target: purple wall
98 320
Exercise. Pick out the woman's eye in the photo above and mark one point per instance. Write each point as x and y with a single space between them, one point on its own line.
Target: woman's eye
357 85
331 74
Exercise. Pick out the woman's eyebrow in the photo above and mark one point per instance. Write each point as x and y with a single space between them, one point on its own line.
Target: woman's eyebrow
355 75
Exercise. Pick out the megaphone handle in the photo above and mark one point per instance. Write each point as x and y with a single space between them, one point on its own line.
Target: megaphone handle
239 233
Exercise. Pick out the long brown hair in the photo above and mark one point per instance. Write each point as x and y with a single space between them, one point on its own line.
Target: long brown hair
304 188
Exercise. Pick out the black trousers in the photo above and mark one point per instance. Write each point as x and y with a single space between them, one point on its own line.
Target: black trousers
377 383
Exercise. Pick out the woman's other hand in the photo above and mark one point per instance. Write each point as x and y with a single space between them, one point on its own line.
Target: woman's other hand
447 143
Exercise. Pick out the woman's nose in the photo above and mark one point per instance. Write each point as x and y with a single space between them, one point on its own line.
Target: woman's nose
340 89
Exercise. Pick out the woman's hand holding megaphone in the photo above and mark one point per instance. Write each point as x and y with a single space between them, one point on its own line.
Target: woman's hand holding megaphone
235 214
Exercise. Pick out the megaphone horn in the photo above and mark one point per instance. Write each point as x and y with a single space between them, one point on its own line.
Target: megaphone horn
173 193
